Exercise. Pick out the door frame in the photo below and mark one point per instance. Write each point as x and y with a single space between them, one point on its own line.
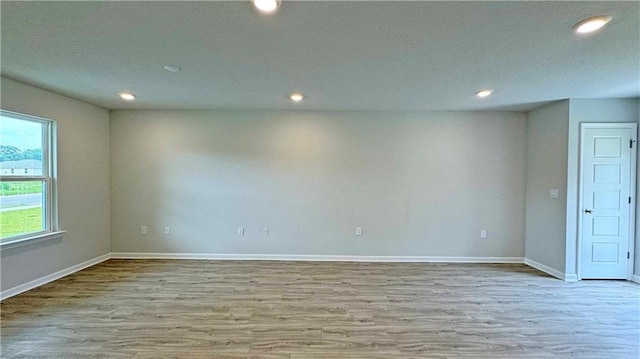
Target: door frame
632 191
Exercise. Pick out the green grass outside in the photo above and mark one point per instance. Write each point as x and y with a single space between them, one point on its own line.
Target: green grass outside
20 221
13 188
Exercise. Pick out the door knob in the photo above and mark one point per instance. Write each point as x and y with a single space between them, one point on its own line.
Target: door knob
588 211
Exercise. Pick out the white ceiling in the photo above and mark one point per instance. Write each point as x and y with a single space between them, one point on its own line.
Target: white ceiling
407 56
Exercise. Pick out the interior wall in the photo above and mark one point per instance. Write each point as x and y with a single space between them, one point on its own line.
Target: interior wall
83 184
587 110
547 134
418 184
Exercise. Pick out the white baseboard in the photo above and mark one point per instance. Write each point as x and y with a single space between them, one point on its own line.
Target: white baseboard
541 267
636 278
570 277
51 277
319 258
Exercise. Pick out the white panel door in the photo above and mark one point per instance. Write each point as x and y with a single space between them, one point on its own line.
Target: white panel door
606 196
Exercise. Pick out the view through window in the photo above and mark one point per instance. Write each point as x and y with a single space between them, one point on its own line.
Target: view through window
26 188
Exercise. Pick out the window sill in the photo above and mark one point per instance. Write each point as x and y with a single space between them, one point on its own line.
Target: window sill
41 237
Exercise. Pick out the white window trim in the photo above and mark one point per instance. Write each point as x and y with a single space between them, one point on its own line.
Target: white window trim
49 161
20 241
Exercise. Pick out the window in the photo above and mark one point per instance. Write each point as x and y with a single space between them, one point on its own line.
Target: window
27 181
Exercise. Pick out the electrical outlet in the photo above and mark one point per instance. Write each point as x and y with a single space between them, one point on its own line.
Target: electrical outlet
143 230
241 231
553 193
358 231
167 230
483 233
265 231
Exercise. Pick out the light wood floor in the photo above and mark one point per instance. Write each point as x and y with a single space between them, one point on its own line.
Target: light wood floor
251 309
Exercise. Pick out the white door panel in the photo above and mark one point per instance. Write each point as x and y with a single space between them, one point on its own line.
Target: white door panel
606 194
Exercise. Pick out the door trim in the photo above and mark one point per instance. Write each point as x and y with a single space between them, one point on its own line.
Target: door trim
632 192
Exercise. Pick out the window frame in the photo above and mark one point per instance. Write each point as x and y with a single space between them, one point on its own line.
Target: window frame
48 178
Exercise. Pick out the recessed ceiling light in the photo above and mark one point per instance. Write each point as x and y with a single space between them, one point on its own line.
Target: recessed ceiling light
127 96
172 68
484 93
266 5
296 97
591 24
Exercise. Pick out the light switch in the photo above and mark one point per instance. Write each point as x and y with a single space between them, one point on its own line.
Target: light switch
553 193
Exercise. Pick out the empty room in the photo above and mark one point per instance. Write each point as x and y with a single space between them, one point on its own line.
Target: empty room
319 179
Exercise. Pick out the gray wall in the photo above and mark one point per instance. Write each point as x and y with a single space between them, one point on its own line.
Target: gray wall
547 134
83 184
587 110
418 184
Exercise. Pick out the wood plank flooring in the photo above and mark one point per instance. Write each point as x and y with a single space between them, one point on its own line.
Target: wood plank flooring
258 309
